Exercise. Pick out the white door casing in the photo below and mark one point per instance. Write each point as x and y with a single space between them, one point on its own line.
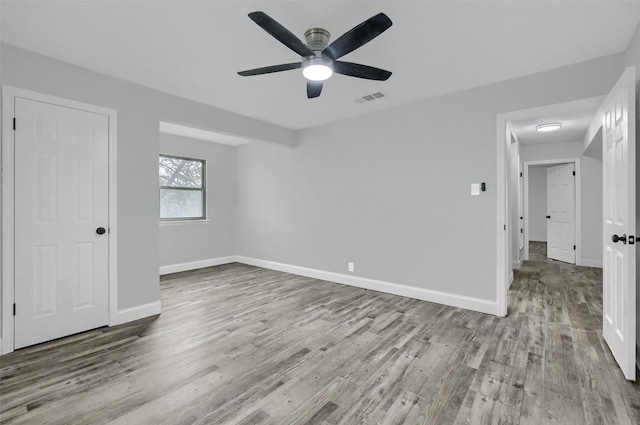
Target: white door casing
520 210
55 120
619 259
561 213
503 126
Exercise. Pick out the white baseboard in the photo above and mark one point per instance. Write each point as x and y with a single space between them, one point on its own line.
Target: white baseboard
138 312
590 263
192 265
638 354
510 278
453 300
517 264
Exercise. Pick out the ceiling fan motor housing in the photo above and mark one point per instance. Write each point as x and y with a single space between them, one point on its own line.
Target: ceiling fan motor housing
317 39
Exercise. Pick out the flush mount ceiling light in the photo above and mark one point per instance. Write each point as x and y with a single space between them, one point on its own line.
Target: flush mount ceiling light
550 126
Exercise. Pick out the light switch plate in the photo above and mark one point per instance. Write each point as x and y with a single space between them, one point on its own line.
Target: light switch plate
475 189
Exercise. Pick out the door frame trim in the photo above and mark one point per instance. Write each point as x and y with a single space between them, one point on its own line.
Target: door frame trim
8 220
577 200
503 257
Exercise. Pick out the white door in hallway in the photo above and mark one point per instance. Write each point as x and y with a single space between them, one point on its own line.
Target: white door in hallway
561 213
61 199
619 227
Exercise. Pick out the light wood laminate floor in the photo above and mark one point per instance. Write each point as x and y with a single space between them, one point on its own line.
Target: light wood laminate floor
237 344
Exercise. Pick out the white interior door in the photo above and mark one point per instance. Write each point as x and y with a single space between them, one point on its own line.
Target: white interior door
561 213
61 198
619 227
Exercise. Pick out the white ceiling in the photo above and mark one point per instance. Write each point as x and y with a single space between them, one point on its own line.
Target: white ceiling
574 127
193 49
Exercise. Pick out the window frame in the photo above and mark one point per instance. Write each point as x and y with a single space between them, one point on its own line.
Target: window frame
202 189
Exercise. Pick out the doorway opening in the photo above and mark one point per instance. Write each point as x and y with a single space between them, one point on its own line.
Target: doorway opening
615 123
553 218
521 148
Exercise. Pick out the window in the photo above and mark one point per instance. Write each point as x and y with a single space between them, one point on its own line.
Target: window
182 191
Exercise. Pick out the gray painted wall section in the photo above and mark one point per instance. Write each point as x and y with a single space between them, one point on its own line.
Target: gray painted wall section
594 148
546 151
591 209
390 191
187 241
139 111
538 204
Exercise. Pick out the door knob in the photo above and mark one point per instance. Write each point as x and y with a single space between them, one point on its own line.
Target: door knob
101 230
548 216
616 238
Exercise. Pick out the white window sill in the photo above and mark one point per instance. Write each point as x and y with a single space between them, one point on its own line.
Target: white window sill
181 222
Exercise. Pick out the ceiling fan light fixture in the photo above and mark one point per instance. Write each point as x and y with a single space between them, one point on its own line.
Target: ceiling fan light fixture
317 68
317 72
546 127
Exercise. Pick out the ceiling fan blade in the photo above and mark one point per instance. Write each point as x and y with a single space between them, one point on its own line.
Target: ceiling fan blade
360 71
314 88
358 36
280 33
270 69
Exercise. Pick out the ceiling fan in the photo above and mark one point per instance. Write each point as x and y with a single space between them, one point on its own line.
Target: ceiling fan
319 58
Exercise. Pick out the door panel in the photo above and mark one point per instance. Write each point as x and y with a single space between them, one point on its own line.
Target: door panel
619 266
61 197
561 210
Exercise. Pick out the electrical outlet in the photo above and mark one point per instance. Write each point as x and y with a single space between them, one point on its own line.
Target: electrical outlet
350 267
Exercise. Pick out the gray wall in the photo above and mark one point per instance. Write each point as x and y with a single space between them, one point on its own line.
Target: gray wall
139 111
538 204
390 191
591 210
544 151
186 241
632 58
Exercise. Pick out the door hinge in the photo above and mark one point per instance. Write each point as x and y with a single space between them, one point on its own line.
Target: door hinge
520 174
574 173
14 309
14 123
521 230
574 247
505 227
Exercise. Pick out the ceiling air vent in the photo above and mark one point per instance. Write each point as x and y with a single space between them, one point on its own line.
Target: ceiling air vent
369 97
